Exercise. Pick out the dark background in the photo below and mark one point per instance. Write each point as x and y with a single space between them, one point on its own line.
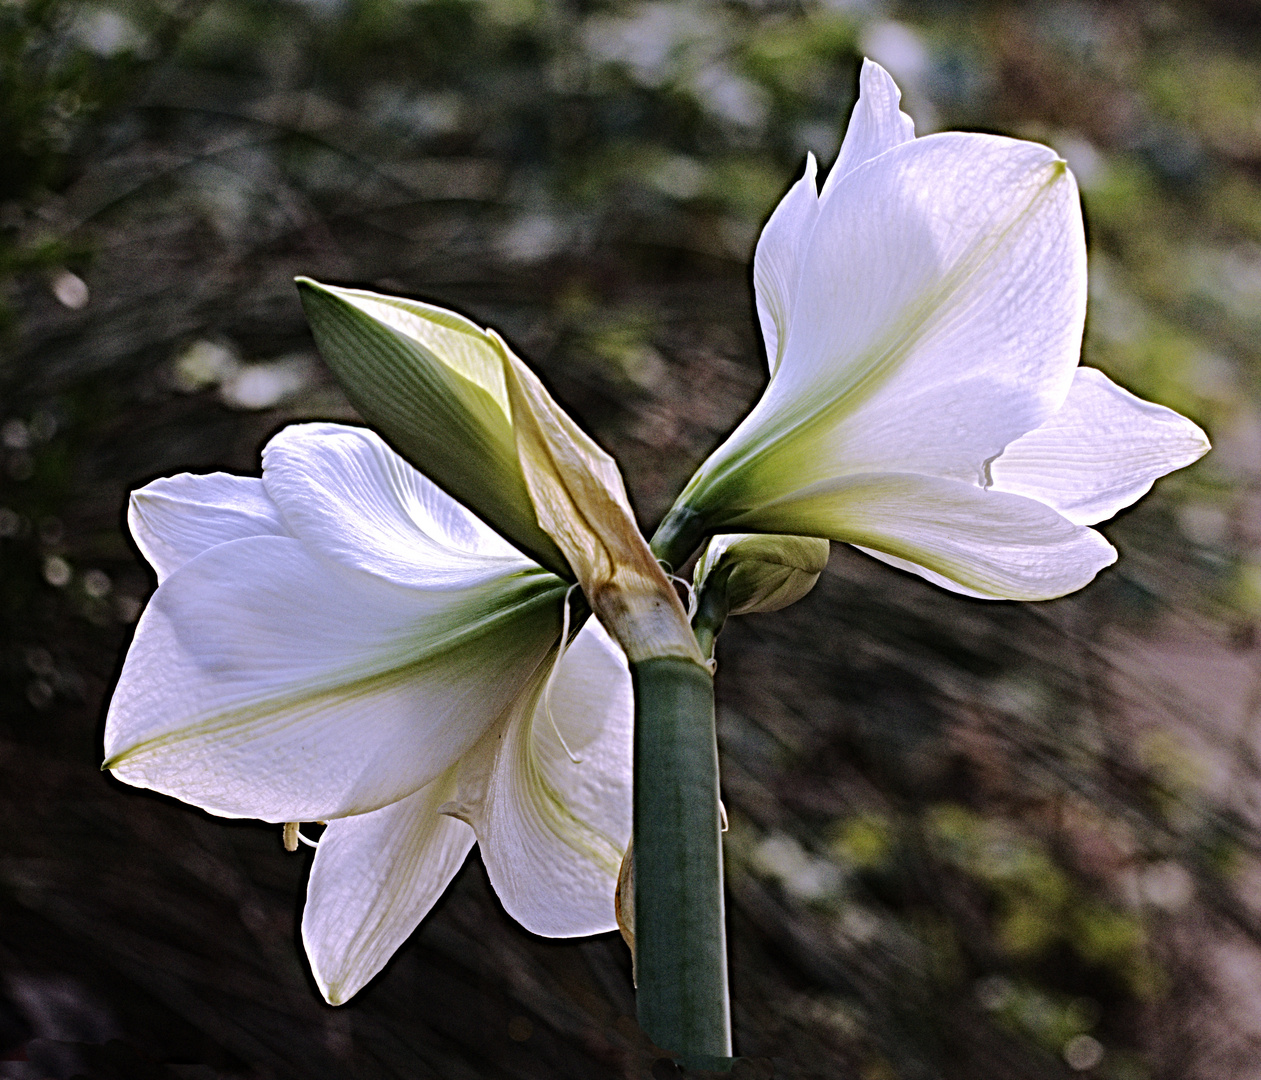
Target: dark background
968 840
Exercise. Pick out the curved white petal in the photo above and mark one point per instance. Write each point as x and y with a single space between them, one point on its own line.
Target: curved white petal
777 260
266 682
1100 452
346 495
876 124
926 574
178 517
374 877
938 317
946 292
552 831
991 543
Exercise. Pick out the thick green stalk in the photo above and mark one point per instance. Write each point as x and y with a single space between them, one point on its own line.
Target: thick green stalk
679 534
680 933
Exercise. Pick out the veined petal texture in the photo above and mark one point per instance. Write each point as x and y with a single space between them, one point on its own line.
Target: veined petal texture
938 317
178 517
333 669
877 124
432 383
267 682
549 793
347 496
982 543
456 342
374 877
1100 452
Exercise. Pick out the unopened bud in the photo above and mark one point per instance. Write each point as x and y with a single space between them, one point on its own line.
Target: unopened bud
763 571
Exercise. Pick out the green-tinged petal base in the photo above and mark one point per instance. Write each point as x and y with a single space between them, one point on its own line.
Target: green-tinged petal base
266 682
992 544
548 792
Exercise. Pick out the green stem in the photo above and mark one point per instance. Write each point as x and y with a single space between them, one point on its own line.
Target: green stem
680 936
712 607
679 534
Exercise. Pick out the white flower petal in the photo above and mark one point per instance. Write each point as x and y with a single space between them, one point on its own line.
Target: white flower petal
551 831
178 517
938 317
947 288
876 124
265 682
346 495
777 260
1100 452
991 543
926 574
375 876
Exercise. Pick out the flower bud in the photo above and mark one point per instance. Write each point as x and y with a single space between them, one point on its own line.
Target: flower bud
763 572
581 503
432 383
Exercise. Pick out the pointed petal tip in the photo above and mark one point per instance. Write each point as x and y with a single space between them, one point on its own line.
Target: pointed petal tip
304 281
874 81
1100 452
1113 553
1200 436
374 878
873 72
1197 445
306 285
115 757
334 995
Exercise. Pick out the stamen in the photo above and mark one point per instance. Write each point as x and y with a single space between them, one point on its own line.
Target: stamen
292 834
551 678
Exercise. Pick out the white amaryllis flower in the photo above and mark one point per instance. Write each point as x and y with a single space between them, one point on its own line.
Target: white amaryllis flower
341 641
923 316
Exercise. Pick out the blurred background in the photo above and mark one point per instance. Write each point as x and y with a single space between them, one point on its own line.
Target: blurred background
967 840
